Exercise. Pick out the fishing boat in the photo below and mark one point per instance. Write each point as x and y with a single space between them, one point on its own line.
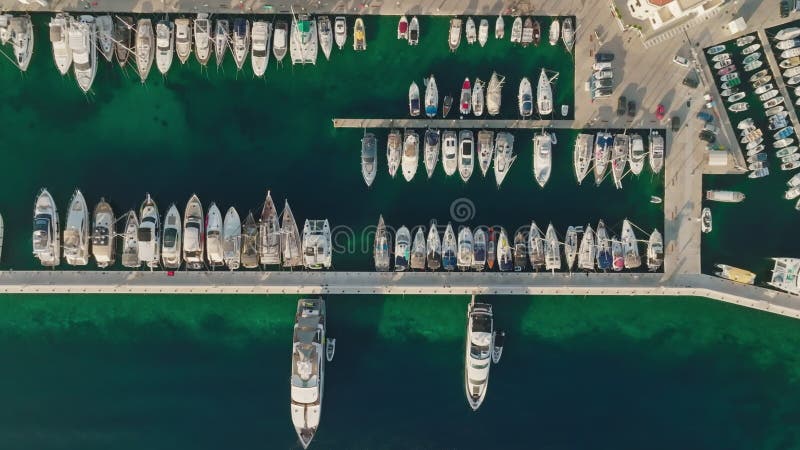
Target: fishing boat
418 250
269 233
447 103
619 158
449 249
493 94
794 181
261 34
516 31
454 38
726 70
478 352
570 247
413 99
393 151
786 151
171 251
413 31
752 57
542 157
249 254
636 154
602 154
307 379
768 95
499 27
478 98
582 156
410 160
83 43
359 36
527 32
552 251
317 244
303 38
630 246
731 75
705 221
130 242
525 98
792 193
587 249
790 165
104 30
193 234
503 156
183 39
383 243
483 32
505 258
603 253
716 49
59 39
464 257
783 133
791 53
568 34
787 33
466 97
402 249
745 40
790 62
544 94
466 154
432 144
325 36
759 74
76 231
291 244
431 97
434 248
103 243
723 63
369 158
449 152
485 150
656 151
520 252
735 274
222 33
149 234
720 57
470 31
402 28
555 32
241 41
21 36
739 95
781 143
340 31
123 38
478 250
214 240
775 101
202 38
164 46
280 40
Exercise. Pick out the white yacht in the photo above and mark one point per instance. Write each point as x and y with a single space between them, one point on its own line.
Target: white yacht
503 156
568 34
470 31
269 233
413 99
105 39
303 40
359 35
542 157
369 158
291 246
555 32
202 38
552 250
587 250
222 37
193 234
325 36
259 50
214 243
183 39
130 241
402 249
382 247
21 35
584 153
76 231
308 368
103 243
479 347
241 41
171 244
232 239
149 234
433 248
454 39
619 158
602 154
499 27
145 49
394 146
630 246
516 30
410 160
413 31
571 246
5 32
431 97
656 152
432 144
340 31
483 32
449 248
478 97
59 38
418 250
249 254
485 150
164 46
465 255
494 94
317 244
505 256
450 152
466 154
479 249
636 154
82 42
535 247
280 40
525 98
544 95
46 233
655 251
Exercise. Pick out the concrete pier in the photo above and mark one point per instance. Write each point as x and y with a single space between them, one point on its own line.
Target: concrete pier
488 123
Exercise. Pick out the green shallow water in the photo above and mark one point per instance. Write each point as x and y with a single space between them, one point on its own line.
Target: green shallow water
577 372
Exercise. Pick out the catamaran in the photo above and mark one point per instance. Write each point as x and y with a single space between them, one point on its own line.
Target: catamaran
359 36
291 246
466 157
542 157
76 231
413 99
164 46
454 39
431 97
636 154
584 153
479 348
130 242
555 32
485 150
202 38
145 50
104 30
410 160
383 244
149 234
432 144
449 249
171 255
619 158
340 31
317 244
393 151
103 243
325 36
465 255
630 246
417 260
241 41
434 248
280 40
123 38
249 256
402 249
499 27
259 50
83 43
478 249
586 251
552 251
183 39
21 35
478 98
493 94
450 152
655 251
483 32
269 244
222 39
568 34
59 39
503 156
604 257
505 257
214 239
369 153
544 95
466 97
525 98
308 368
571 246
470 31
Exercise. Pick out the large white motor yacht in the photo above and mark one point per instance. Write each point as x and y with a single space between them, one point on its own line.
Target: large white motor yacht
46 242
76 232
149 235
308 368
479 347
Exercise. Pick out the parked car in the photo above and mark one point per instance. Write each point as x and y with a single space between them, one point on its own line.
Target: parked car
621 105
676 123
631 108
690 81
681 61
660 112
604 57
785 8
709 127
596 84
603 74
601 66
708 136
602 92
706 117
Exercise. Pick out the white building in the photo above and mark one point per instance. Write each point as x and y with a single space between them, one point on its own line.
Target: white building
661 13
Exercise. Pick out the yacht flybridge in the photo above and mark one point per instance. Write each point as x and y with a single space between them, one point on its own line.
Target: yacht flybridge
478 354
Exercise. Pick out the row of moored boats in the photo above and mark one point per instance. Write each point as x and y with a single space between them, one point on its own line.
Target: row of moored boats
193 240
523 31
485 248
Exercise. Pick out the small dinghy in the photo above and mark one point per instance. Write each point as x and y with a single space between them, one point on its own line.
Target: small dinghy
497 349
330 348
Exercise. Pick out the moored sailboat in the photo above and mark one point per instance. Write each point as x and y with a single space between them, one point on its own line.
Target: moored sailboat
503 156
325 36
583 155
432 144
542 157
382 246
249 254
291 245
269 248
485 150
433 248
494 94
145 48
544 95
630 246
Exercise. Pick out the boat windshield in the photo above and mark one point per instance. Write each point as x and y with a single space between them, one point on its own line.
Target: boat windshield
170 237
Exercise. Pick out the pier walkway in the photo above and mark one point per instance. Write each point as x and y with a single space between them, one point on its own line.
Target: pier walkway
452 123
777 76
